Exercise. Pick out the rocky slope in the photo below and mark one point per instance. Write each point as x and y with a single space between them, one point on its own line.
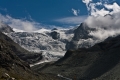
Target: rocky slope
12 67
100 62
21 52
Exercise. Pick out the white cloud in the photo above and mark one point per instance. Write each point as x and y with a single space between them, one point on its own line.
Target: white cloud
95 11
26 25
75 12
101 12
102 34
87 2
72 20
20 23
105 19
99 3
114 7
108 6
107 26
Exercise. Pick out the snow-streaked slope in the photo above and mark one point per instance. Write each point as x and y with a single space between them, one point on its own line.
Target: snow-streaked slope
41 41
49 56
37 41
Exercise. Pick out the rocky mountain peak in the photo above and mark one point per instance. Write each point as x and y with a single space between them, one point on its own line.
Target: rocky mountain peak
82 32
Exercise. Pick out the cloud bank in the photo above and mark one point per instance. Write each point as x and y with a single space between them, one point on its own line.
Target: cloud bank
103 16
21 24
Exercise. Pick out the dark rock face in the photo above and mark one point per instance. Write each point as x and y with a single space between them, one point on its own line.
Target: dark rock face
8 57
5 28
71 45
55 35
9 60
100 62
82 32
32 58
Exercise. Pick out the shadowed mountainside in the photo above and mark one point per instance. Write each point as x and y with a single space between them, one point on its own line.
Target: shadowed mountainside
100 62
22 53
11 66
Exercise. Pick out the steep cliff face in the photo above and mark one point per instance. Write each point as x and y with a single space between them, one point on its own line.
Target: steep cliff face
100 62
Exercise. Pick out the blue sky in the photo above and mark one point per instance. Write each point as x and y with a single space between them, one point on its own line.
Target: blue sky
42 9
48 12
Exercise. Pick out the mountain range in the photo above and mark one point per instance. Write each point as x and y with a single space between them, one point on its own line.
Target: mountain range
54 43
86 57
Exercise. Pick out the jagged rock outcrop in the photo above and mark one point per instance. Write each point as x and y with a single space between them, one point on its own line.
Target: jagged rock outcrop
55 35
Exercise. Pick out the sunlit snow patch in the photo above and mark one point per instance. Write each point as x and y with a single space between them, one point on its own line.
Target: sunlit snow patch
49 56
